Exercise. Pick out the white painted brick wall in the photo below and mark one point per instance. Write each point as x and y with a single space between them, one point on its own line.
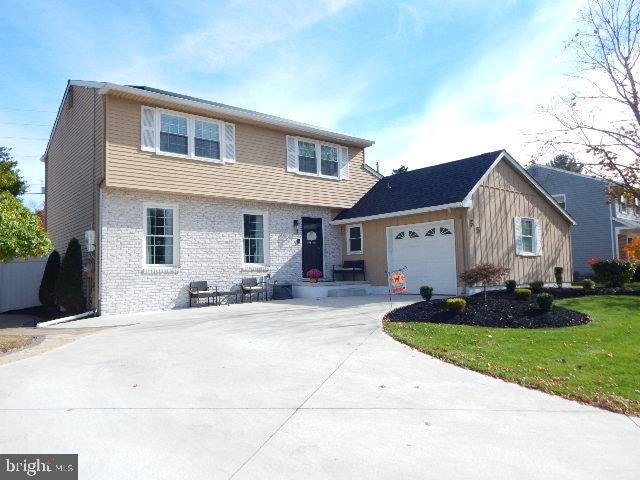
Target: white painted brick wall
210 247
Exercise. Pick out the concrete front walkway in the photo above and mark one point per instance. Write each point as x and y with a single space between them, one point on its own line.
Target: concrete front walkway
295 389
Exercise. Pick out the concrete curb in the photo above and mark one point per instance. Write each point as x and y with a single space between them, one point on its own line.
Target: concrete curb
66 319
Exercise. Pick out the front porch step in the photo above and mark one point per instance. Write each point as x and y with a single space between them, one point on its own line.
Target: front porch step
331 289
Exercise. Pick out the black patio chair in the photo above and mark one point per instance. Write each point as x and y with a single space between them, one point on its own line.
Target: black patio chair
200 290
250 286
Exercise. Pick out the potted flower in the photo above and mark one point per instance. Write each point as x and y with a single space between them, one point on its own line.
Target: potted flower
314 274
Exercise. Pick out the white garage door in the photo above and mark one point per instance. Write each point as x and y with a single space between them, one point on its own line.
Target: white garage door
428 251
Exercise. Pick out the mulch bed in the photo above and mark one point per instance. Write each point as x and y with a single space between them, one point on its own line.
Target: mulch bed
500 310
583 292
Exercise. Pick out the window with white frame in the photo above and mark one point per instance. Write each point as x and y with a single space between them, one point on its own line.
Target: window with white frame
622 205
207 139
561 198
254 238
354 239
166 132
159 236
307 159
528 236
313 157
174 135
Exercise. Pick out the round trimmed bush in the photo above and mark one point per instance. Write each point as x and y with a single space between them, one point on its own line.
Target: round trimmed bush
615 273
511 286
522 293
427 292
536 286
545 301
456 304
588 284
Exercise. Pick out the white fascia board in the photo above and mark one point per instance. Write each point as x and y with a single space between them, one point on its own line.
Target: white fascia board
401 213
240 114
372 170
504 155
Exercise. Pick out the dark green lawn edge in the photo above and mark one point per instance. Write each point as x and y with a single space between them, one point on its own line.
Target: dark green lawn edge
603 403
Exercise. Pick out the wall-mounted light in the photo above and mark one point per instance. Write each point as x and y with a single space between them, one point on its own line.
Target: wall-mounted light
296 229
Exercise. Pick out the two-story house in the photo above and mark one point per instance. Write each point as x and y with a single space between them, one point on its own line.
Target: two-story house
603 228
163 189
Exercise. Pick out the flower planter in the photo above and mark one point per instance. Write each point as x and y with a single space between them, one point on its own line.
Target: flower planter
313 280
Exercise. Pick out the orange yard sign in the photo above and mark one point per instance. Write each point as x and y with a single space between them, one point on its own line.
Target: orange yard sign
397 281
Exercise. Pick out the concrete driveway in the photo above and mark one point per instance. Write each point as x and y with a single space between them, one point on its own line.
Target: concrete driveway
296 389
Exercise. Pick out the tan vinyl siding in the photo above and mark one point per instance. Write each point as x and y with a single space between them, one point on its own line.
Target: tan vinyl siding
259 173
375 241
73 171
72 174
504 195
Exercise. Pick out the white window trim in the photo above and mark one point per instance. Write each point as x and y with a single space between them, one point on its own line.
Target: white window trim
176 237
191 130
561 198
534 234
318 144
348 230
265 226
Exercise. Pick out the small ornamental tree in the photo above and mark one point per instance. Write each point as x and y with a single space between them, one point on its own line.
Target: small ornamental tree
633 250
21 233
69 282
485 274
46 294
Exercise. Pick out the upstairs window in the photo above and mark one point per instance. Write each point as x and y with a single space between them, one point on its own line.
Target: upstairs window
207 140
174 135
307 160
527 235
313 157
354 239
329 160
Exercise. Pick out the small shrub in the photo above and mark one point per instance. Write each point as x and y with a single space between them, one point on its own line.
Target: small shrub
427 292
511 286
46 293
69 292
545 301
558 273
588 284
456 304
615 273
522 293
484 274
536 286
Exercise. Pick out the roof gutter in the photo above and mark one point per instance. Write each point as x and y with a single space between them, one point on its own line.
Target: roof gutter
445 206
238 113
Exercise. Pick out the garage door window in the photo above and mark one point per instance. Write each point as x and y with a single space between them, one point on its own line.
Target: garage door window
354 239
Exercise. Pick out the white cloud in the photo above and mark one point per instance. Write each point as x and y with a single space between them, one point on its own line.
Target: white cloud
490 104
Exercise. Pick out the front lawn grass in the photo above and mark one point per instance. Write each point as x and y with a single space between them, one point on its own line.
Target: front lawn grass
12 342
597 363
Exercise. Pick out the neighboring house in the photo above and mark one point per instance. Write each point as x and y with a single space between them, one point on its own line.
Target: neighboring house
603 228
178 189
163 189
439 221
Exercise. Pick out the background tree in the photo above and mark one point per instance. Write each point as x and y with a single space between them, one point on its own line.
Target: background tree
565 162
400 169
68 289
46 293
600 115
10 179
21 234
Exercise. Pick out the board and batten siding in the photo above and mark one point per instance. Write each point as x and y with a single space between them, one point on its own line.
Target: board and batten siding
258 174
73 168
374 235
504 195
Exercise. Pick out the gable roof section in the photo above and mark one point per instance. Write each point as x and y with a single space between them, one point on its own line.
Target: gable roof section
237 113
447 185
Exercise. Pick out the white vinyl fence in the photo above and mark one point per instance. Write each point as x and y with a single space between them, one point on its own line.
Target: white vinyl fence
20 282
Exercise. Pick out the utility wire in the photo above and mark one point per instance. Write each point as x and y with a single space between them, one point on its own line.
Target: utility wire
26 138
26 110
26 124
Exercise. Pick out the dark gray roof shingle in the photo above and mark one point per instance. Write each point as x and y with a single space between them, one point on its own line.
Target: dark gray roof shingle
426 187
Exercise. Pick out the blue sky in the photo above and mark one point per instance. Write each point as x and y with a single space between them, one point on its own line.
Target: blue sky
429 81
